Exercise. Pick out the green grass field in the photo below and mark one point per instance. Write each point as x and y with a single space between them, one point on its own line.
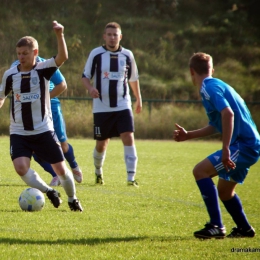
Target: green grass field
156 221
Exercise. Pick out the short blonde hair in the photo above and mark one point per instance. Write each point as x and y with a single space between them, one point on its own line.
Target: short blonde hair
28 41
201 62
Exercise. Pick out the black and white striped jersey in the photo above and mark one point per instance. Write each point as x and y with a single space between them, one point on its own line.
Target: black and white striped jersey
111 72
30 111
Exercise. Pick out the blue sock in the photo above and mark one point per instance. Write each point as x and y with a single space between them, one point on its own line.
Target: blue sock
210 196
69 155
235 209
46 166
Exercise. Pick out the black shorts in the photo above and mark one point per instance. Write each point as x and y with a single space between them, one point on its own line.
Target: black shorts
112 124
45 145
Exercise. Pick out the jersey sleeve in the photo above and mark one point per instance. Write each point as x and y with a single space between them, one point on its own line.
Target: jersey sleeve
217 98
134 71
5 86
57 77
48 67
88 72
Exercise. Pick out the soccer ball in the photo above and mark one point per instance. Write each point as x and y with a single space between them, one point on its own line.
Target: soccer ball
31 199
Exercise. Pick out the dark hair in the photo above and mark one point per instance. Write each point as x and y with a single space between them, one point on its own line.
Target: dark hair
201 63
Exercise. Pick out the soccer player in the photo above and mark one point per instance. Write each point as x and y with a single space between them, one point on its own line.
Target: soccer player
57 86
112 67
229 115
31 126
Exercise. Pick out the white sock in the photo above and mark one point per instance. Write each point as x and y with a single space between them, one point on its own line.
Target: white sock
99 159
68 184
130 161
33 179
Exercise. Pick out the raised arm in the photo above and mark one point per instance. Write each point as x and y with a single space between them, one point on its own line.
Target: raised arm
62 55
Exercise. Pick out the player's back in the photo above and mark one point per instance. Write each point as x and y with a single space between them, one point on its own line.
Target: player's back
223 95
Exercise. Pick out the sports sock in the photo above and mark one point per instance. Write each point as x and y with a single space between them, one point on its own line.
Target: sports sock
70 157
68 185
32 179
130 161
99 159
46 166
210 196
235 209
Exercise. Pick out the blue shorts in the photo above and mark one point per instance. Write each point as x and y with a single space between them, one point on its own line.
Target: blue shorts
58 122
46 146
112 124
243 156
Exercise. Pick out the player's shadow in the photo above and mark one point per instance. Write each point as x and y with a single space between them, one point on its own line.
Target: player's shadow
82 241
90 241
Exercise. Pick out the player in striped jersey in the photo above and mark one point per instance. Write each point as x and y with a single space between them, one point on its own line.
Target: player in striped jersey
112 67
31 127
57 86
229 115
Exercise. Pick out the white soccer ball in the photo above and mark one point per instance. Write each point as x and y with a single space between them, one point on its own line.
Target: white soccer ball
31 199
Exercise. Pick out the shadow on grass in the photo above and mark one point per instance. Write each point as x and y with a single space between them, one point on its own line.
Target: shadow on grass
13 185
83 241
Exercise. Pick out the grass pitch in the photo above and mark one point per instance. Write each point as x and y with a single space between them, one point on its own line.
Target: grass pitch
156 221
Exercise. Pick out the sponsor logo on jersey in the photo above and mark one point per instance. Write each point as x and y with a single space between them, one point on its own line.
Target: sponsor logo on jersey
114 75
17 98
106 74
26 97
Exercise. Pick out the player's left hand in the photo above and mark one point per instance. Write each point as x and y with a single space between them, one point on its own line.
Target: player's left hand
57 27
138 107
227 162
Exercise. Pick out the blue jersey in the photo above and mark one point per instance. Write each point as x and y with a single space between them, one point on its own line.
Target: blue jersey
217 95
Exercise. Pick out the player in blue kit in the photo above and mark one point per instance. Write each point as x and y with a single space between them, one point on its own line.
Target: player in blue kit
112 67
57 86
31 125
229 115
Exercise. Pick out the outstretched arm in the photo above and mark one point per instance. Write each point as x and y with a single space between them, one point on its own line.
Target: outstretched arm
180 134
62 55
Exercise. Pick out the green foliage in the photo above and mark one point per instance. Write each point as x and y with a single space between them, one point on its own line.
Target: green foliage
163 34
155 122
154 222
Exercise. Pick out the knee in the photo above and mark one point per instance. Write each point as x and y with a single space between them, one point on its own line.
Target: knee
59 168
21 169
225 194
64 147
198 173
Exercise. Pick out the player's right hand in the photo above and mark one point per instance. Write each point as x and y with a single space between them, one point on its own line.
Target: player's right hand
180 134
